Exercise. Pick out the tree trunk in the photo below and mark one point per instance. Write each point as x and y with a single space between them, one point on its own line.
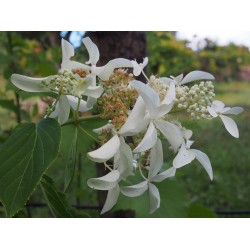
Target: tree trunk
125 44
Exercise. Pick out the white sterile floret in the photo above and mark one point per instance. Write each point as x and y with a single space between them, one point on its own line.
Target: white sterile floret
156 161
151 111
218 109
138 67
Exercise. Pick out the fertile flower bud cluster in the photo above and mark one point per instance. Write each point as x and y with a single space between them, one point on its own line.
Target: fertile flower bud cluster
140 115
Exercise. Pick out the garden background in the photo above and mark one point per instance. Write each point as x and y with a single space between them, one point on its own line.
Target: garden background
191 193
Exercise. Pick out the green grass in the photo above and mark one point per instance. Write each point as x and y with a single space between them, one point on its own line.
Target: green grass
230 157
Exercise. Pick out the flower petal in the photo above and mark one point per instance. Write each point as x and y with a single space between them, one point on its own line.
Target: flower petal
112 198
108 69
92 50
171 132
137 69
62 110
123 160
156 159
149 96
136 121
187 134
204 160
234 111
166 80
183 157
135 190
230 126
74 103
93 91
197 75
148 140
166 174
67 53
106 151
90 102
107 126
170 96
218 106
178 78
105 182
211 111
29 84
154 198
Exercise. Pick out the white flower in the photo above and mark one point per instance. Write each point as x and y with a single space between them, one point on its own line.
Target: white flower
187 155
138 67
156 161
105 71
123 165
82 87
218 109
150 111
107 182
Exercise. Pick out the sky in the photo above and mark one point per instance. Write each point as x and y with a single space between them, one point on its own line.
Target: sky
222 37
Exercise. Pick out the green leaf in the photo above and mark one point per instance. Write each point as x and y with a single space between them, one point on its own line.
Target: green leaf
198 211
24 158
71 136
57 202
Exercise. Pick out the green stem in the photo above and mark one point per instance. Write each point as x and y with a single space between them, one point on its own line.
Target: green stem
88 134
81 119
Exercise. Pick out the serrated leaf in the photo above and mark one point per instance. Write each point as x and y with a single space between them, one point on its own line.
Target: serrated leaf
57 202
24 158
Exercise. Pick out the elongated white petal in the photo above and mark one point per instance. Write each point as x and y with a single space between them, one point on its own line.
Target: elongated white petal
136 68
197 75
170 96
62 110
163 109
205 162
148 140
123 160
106 151
211 111
178 78
107 126
93 91
67 53
74 103
108 69
92 50
135 190
218 106
90 102
105 182
156 159
187 134
183 157
145 62
166 174
230 126
166 80
189 143
233 111
171 132
149 96
136 121
29 84
154 198
112 198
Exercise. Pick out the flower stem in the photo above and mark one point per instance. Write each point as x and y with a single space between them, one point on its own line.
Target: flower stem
54 106
81 119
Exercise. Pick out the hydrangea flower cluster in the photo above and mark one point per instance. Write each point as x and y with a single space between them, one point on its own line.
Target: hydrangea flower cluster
140 114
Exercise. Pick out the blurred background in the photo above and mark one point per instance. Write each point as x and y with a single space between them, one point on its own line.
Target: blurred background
191 193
